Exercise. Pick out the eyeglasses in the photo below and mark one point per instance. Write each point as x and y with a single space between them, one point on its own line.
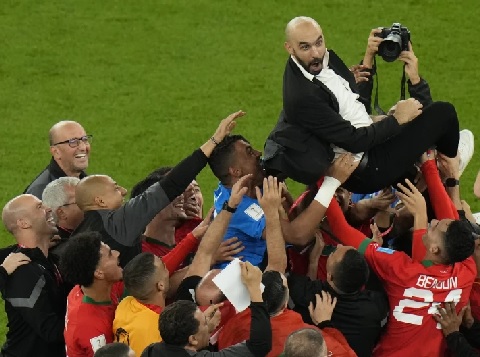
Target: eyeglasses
74 142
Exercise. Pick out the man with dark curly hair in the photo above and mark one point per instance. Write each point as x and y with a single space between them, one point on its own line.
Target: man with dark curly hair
95 269
185 329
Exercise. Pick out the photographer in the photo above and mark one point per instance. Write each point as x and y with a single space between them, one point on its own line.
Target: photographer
364 73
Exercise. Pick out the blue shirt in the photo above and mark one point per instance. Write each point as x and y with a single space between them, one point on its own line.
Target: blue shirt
247 224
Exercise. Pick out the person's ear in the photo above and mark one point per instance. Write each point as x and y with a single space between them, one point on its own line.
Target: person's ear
160 286
99 201
61 215
234 172
98 274
434 249
55 152
192 340
24 223
288 47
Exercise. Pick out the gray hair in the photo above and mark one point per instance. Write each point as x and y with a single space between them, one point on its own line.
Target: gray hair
54 195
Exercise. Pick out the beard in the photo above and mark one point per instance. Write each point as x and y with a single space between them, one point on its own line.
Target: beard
314 67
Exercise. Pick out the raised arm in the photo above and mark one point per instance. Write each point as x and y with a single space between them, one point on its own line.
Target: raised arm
301 230
441 202
270 202
127 223
203 258
415 203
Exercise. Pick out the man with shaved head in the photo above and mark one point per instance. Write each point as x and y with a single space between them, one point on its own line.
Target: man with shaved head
122 224
323 116
35 296
70 149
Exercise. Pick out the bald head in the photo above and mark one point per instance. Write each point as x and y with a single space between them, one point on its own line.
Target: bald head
58 131
89 188
297 24
305 342
306 44
99 192
29 220
15 210
206 291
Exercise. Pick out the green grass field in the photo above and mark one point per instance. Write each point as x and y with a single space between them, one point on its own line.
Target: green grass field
151 79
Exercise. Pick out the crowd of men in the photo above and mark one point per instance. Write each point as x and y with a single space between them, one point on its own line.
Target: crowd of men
394 271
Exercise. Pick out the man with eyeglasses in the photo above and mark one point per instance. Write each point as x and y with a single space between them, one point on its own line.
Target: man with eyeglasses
70 149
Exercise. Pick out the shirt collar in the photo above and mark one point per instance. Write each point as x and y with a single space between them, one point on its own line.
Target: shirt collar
308 75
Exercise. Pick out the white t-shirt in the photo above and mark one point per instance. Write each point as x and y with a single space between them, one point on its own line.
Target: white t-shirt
350 108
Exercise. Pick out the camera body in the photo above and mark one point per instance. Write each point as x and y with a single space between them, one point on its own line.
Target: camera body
396 40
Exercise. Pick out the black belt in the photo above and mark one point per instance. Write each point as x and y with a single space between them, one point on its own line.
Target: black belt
362 165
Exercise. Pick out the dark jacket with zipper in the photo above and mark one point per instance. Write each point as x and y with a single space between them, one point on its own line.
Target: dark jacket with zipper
35 303
122 228
51 173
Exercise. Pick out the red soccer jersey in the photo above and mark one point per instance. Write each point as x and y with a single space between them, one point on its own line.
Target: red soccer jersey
156 247
475 299
88 323
415 290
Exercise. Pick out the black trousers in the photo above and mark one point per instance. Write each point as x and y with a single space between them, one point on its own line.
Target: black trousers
392 161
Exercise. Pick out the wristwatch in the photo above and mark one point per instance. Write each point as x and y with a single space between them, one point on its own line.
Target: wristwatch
451 182
227 208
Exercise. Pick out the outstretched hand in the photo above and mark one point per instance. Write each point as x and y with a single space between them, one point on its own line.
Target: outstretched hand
342 167
227 125
239 189
414 202
448 319
271 199
323 309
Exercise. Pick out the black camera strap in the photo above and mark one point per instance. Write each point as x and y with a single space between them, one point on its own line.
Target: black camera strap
402 85
375 100
376 106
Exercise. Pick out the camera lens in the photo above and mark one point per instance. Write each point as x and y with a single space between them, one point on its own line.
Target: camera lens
390 47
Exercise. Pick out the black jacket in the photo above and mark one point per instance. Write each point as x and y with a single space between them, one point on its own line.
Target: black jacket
419 91
258 345
35 303
460 343
51 173
122 228
359 316
300 144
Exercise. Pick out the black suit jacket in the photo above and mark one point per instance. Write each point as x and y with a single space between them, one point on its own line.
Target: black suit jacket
300 144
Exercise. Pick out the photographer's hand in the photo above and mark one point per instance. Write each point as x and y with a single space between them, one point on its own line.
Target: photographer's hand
411 64
372 47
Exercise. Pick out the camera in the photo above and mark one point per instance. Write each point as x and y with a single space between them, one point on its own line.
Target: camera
396 40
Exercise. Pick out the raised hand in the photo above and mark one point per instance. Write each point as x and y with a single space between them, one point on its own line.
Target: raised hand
324 306
271 199
239 189
227 125
411 64
372 47
228 250
414 202
342 167
407 110
199 231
